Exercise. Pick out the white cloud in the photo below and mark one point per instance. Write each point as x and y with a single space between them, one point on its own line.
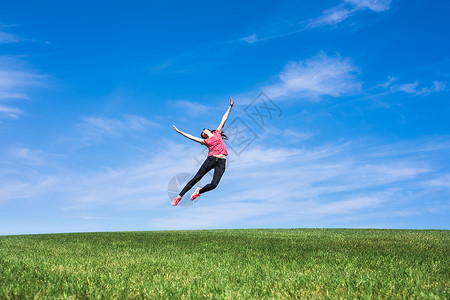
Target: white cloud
298 136
162 66
10 80
410 88
96 128
330 16
24 183
439 86
348 8
272 183
225 214
442 182
322 171
346 206
375 5
252 38
406 148
34 174
415 88
7 38
271 186
318 76
14 75
9 112
12 95
138 186
388 82
15 81
189 107
261 156
32 157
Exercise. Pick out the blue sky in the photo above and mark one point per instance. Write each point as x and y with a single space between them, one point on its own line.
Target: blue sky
341 114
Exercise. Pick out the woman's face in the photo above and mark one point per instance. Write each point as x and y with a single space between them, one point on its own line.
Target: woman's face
206 133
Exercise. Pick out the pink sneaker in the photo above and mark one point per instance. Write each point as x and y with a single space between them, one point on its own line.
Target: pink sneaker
176 200
196 194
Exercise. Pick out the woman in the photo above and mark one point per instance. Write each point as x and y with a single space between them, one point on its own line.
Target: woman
213 139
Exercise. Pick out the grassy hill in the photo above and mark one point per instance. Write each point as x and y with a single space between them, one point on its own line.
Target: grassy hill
228 264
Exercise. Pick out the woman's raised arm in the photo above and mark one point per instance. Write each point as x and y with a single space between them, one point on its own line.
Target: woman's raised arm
195 139
225 116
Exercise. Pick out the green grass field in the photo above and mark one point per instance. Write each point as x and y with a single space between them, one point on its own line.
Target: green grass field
228 264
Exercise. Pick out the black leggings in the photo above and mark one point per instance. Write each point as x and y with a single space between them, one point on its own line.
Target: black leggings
212 162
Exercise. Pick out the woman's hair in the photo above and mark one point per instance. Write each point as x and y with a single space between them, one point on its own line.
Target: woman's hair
224 136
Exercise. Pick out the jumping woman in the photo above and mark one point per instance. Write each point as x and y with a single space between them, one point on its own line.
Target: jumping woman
213 139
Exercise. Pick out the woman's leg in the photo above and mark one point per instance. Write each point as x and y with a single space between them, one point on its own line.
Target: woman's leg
219 169
205 168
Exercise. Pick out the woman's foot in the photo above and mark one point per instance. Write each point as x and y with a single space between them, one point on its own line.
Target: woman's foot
176 200
196 194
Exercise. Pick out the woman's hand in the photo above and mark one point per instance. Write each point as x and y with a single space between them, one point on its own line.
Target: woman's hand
231 102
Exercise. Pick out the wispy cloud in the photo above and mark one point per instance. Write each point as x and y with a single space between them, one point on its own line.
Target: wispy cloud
308 186
298 136
95 129
13 95
348 8
441 182
13 79
19 177
16 80
375 5
202 57
31 187
325 170
319 76
6 38
9 112
189 107
426 145
331 16
352 205
334 182
414 88
252 38
32 174
163 65
134 187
